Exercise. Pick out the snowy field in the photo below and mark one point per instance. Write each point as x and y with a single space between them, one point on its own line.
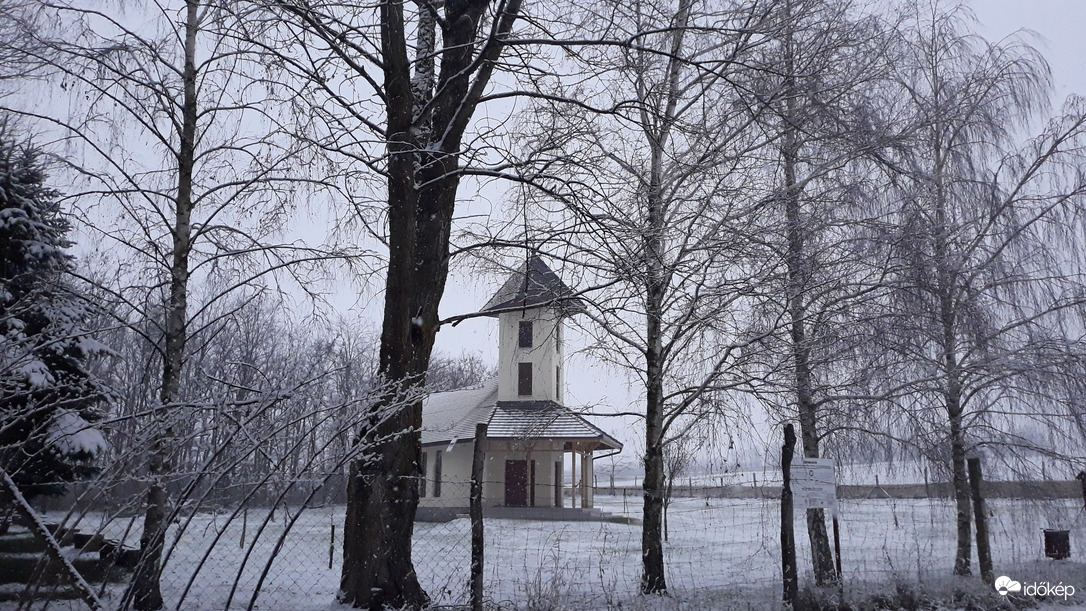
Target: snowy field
722 554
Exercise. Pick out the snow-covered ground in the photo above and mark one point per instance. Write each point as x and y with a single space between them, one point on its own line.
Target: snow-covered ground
722 554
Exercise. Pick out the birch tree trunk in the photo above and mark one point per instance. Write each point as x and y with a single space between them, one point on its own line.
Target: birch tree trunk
799 276
146 592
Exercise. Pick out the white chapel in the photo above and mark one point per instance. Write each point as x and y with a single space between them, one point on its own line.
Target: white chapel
532 437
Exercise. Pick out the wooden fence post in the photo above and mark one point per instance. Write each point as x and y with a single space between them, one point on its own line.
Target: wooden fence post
331 542
788 527
980 515
478 461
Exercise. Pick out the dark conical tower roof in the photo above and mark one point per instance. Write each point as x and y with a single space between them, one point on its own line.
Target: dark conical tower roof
534 285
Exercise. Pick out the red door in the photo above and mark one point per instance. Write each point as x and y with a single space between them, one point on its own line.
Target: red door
516 483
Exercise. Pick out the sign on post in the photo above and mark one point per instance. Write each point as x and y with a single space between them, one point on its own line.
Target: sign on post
813 483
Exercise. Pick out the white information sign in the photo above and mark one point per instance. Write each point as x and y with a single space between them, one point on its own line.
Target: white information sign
814 483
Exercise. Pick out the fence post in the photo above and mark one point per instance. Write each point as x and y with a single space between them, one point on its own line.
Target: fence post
788 532
478 461
980 514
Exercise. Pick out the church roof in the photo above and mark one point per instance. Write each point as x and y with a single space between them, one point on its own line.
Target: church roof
453 415
532 286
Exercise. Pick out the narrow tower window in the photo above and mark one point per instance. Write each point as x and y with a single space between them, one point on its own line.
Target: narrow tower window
525 334
524 379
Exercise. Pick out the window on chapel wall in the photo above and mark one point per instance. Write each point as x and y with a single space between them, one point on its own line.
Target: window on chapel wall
524 379
524 334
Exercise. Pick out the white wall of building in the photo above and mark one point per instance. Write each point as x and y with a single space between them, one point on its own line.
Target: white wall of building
456 473
545 355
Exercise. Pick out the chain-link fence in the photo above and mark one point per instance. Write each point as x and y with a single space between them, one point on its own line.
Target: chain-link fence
720 552
725 552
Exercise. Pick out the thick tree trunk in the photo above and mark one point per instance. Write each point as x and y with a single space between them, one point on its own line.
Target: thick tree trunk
426 120
382 494
145 592
652 547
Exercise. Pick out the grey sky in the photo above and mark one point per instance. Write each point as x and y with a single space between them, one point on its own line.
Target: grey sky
1059 27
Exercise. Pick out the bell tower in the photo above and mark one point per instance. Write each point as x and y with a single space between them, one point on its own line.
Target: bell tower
530 307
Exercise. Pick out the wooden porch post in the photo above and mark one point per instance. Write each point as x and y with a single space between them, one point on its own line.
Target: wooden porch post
584 481
590 477
573 478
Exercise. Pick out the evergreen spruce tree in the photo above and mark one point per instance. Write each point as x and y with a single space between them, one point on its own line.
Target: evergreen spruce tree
48 399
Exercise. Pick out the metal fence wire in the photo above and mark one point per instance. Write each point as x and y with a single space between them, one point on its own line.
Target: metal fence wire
278 545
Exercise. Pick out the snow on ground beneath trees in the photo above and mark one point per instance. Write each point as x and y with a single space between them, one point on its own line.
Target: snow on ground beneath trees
721 554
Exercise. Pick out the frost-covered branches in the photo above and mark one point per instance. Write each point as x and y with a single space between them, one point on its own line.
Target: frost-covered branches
983 314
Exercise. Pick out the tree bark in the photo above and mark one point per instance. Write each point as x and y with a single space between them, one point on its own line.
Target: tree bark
652 547
984 549
798 275
146 594
425 126
478 466
789 571
962 558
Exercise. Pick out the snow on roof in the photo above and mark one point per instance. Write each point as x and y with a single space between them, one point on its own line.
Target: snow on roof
533 285
453 415
543 419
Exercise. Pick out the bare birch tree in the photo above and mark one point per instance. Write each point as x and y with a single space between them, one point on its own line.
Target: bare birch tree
988 248
176 163
822 79
640 181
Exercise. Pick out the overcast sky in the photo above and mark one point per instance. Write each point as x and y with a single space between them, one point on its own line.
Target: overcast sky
1059 25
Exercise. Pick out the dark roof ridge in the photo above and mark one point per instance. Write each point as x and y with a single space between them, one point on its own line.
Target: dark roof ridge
533 285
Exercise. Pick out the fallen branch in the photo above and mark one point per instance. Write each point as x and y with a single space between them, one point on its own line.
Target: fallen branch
52 547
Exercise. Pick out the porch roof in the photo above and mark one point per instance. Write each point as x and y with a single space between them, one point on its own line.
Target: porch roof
453 415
